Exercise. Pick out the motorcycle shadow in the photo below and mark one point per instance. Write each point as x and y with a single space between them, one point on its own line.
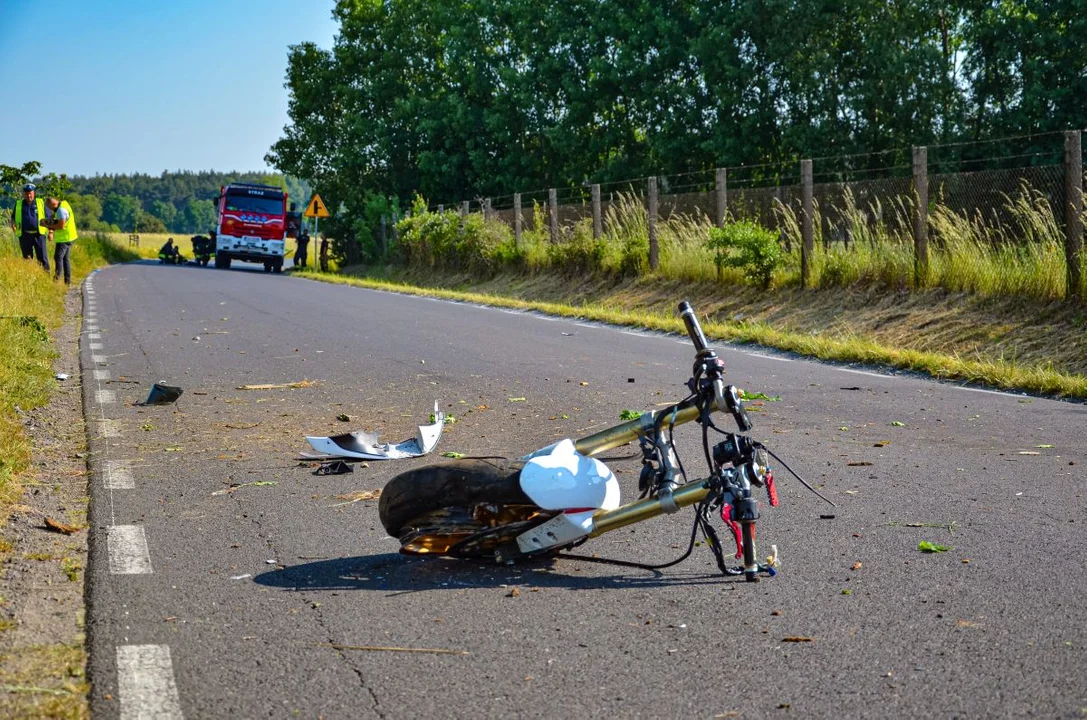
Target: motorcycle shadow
396 573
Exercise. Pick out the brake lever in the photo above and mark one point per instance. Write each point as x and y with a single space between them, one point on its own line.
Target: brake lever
728 398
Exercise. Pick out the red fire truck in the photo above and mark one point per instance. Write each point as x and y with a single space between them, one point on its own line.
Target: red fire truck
251 225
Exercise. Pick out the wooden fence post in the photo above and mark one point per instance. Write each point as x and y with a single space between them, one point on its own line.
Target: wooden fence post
517 219
920 218
441 208
553 211
654 247
598 222
722 196
807 224
396 221
1073 212
384 240
464 208
486 208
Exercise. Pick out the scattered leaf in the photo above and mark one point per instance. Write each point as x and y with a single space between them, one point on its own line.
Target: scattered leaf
844 428
583 383
453 454
513 593
759 396
629 415
343 417
1045 446
518 399
847 592
882 443
172 448
60 527
856 566
927 547
897 423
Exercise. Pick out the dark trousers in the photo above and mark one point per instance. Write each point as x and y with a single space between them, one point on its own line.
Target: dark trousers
34 246
62 260
300 254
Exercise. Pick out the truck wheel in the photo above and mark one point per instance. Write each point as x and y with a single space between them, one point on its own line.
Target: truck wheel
277 266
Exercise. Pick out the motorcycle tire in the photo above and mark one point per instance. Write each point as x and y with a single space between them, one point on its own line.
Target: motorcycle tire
464 508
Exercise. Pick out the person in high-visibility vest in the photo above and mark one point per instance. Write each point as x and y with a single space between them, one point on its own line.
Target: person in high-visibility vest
61 223
28 223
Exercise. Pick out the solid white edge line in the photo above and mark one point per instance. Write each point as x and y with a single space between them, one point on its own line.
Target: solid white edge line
145 683
105 397
128 553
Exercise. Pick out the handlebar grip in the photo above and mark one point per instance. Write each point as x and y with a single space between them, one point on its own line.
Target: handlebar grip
694 330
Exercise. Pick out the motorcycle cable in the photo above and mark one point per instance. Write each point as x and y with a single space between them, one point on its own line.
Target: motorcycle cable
774 455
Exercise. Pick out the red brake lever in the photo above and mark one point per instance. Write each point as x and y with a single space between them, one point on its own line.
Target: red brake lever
726 515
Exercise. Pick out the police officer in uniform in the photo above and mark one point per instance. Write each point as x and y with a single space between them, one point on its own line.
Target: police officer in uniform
28 222
61 223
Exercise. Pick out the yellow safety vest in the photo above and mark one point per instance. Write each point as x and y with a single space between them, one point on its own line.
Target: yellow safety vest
68 233
19 216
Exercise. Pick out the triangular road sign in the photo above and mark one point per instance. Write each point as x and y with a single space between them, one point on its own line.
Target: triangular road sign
316 208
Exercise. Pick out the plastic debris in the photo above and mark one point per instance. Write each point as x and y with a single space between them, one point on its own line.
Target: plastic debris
334 467
362 445
162 394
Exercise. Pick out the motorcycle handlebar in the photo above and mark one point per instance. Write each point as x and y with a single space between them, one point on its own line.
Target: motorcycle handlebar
694 330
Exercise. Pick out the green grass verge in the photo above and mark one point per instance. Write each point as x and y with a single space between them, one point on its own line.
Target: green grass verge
999 373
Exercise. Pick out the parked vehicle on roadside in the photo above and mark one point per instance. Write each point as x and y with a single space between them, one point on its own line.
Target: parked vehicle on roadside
251 225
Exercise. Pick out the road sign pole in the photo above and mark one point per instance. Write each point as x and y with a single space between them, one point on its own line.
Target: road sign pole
316 239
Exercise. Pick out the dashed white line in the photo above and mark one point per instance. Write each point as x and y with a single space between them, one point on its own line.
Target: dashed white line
105 397
97 346
145 682
118 476
99 359
92 327
101 374
94 336
128 554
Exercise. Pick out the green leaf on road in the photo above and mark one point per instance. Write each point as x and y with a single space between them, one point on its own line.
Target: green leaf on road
926 547
453 454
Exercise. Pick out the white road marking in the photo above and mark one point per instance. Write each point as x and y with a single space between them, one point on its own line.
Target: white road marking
104 397
101 374
128 554
91 312
94 336
587 325
99 359
145 682
118 476
92 327
109 428
97 346
766 357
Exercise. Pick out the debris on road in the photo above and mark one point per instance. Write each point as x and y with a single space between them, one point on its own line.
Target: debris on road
238 486
162 394
241 577
280 386
367 446
334 467
62 376
379 648
927 547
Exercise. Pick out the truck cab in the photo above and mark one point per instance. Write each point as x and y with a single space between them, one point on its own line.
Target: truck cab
251 225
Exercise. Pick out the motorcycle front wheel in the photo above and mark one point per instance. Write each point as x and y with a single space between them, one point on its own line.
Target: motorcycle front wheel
463 508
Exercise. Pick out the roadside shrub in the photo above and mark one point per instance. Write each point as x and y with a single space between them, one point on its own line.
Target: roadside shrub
746 246
579 254
448 241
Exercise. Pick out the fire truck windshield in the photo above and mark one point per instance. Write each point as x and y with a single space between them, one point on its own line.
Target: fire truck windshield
254 204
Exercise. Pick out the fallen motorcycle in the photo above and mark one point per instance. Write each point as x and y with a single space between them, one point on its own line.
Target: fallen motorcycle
560 496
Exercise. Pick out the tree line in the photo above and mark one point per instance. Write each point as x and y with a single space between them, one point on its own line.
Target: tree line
482 98
181 202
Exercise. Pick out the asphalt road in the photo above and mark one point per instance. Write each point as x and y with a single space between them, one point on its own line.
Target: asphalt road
226 580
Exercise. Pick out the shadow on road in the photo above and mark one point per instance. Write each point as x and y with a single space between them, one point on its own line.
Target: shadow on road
395 573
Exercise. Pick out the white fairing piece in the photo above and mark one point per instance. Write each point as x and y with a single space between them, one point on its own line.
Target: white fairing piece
366 446
565 480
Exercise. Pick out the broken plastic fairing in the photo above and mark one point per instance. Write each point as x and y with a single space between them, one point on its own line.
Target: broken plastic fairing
362 445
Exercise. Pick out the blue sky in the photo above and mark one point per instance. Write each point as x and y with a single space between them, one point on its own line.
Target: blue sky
122 86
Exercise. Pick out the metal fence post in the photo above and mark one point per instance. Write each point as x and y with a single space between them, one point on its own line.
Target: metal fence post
920 218
654 244
1073 212
722 196
553 211
517 219
598 223
807 224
